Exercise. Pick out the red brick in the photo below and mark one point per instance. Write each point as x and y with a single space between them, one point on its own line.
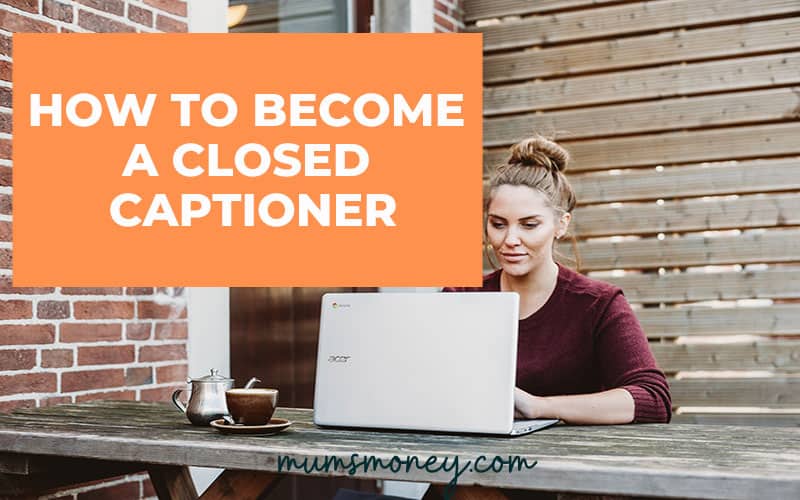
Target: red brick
169 25
7 288
52 309
26 5
5 176
140 15
89 332
5 45
94 379
107 396
172 330
16 23
147 489
152 310
138 331
440 7
111 6
27 382
176 7
9 406
57 10
5 230
15 309
11 359
56 358
139 375
5 124
5 97
27 334
5 199
5 149
139 291
5 70
106 355
100 24
91 291
56 400
159 393
116 492
162 352
444 23
171 373
103 309
5 258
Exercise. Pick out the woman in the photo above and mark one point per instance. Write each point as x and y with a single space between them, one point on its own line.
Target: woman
582 355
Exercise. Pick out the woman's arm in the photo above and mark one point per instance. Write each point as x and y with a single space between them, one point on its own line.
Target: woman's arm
614 406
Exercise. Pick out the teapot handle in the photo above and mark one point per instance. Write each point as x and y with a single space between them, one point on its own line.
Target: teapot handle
181 406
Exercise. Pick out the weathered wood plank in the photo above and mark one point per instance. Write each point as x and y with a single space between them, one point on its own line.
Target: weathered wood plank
779 282
661 82
655 458
625 19
233 484
749 419
690 250
755 176
481 9
781 319
738 108
734 143
778 392
688 215
779 356
172 482
647 50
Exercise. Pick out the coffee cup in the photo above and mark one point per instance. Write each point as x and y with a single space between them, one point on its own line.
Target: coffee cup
251 406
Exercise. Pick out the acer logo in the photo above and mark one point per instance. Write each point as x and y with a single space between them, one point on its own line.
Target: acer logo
338 359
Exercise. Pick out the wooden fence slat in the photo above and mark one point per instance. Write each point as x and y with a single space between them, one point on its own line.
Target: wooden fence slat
625 19
691 250
676 147
782 392
782 319
687 215
780 356
481 9
650 50
664 81
666 114
781 282
755 176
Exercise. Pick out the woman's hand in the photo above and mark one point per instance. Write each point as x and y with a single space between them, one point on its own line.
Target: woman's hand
527 405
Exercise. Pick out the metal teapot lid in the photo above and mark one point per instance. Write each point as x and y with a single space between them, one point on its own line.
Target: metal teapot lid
214 377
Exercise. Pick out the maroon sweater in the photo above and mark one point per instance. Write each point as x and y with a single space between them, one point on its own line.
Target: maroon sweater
586 339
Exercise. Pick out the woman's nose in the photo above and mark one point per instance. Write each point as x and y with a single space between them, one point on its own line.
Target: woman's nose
512 238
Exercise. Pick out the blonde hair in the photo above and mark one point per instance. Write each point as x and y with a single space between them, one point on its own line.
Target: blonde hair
539 163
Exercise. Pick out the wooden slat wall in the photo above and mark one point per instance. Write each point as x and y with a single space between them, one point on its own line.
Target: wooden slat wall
682 120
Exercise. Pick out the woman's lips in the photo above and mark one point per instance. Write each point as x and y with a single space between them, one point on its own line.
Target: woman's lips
513 257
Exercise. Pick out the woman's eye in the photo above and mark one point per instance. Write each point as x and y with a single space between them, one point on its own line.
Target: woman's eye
530 225
497 225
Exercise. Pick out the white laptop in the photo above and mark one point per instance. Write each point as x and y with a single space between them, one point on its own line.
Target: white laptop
419 361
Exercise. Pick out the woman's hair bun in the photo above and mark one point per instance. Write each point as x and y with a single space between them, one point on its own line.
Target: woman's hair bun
539 151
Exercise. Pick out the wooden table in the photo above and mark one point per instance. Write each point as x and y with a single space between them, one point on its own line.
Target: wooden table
51 447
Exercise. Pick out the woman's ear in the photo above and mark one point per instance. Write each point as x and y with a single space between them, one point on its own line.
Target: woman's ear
563 224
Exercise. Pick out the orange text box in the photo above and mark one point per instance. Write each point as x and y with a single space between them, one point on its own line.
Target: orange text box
247 160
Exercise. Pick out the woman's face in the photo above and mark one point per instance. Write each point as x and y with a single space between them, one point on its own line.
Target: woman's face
521 227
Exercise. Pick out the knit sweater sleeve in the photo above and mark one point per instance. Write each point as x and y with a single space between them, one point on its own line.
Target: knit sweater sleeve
626 362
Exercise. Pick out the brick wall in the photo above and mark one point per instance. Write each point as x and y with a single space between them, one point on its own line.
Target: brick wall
448 16
78 344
